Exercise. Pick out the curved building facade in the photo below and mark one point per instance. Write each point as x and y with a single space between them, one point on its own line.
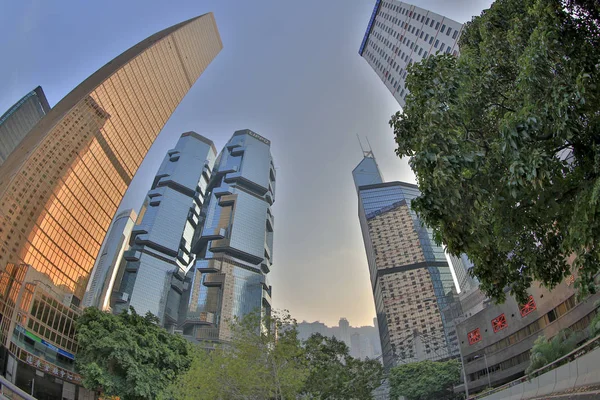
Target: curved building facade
61 186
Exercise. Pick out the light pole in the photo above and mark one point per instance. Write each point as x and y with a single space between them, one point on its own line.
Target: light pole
462 364
486 368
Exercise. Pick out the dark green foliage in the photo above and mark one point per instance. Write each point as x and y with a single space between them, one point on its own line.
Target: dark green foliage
594 328
334 374
545 351
128 355
425 380
505 143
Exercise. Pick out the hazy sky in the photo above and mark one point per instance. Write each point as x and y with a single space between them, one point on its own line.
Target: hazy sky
290 71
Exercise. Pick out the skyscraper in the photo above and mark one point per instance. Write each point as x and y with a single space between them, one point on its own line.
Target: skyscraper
161 243
410 277
461 266
235 245
104 274
345 332
61 186
16 123
399 34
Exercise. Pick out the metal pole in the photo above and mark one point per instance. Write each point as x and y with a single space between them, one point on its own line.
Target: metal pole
488 370
462 363
32 384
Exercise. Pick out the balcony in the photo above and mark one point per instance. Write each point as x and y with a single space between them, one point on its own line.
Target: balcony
214 280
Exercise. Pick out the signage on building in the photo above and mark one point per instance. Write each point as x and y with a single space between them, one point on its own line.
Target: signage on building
36 338
49 368
257 136
570 279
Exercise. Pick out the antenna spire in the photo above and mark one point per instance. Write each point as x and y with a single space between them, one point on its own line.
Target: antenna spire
366 153
360 144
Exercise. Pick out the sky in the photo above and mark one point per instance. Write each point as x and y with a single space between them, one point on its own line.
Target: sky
290 71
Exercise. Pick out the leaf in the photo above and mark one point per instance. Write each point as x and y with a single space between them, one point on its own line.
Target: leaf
484 130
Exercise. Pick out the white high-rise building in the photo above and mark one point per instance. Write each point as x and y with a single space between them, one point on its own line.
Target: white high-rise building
399 34
103 276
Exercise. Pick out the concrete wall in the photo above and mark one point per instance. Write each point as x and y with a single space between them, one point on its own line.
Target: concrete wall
584 371
545 301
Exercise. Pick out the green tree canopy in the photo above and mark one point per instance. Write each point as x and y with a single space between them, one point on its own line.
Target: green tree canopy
425 380
545 351
262 361
128 355
594 328
505 143
334 374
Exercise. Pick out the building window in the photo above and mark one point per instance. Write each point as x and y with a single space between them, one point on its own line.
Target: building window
449 31
455 34
474 336
551 316
437 42
437 26
499 323
528 307
443 28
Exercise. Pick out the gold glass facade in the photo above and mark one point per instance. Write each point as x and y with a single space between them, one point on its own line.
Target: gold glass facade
60 189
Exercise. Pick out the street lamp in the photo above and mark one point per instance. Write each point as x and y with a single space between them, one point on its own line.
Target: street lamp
462 364
486 368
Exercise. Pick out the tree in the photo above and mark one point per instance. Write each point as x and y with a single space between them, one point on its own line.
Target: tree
545 351
594 328
128 355
334 374
263 360
504 143
425 380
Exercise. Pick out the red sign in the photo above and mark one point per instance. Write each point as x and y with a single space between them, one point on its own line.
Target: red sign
499 323
528 307
474 336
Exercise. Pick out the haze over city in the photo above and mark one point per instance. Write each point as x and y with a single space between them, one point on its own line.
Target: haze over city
289 71
359 200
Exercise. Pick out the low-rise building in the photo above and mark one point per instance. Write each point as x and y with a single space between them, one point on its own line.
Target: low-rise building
497 340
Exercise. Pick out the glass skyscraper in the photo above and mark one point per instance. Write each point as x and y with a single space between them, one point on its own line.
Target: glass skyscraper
410 277
104 274
61 186
461 266
234 248
160 255
19 119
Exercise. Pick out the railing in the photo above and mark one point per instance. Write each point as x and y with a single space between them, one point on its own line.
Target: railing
11 391
578 352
